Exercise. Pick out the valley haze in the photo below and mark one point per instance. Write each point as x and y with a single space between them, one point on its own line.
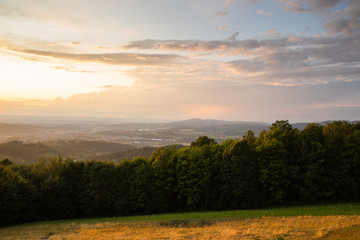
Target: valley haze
29 139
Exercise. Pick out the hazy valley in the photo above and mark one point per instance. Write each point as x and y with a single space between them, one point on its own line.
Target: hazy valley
109 140
88 140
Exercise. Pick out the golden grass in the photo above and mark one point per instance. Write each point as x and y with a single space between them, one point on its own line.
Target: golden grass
302 227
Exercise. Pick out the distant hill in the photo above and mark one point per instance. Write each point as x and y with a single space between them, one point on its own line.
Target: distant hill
199 123
7 128
83 149
128 154
27 153
301 126
184 132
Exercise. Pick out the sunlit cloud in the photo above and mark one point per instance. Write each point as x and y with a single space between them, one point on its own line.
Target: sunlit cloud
108 58
44 79
261 12
224 27
309 5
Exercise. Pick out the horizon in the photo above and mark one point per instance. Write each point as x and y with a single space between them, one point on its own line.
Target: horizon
75 119
236 60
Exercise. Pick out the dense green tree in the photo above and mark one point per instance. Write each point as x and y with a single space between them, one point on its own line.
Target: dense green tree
164 161
16 198
5 162
193 177
141 193
273 170
352 158
213 160
202 141
100 186
240 176
337 166
278 151
45 177
315 177
123 179
70 185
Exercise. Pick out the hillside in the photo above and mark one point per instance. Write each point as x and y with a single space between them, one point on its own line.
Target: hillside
137 134
27 153
128 154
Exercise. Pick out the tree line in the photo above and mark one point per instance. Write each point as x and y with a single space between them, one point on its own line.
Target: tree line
280 166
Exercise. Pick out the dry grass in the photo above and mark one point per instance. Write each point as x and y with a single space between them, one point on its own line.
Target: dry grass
302 227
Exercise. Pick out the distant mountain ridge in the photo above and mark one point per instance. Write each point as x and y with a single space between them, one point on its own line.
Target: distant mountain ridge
302 125
197 122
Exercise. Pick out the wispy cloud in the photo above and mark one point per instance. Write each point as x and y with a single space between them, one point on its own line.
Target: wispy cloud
309 5
230 2
279 60
261 12
223 27
49 11
228 46
344 21
133 59
72 69
221 13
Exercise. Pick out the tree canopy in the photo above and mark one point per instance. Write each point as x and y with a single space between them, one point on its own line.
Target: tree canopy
282 165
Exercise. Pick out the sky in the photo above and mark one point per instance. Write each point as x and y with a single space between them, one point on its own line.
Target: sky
164 60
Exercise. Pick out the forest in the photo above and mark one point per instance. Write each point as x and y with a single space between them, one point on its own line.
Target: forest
280 166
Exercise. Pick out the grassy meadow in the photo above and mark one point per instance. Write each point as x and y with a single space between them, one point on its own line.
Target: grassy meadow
336 221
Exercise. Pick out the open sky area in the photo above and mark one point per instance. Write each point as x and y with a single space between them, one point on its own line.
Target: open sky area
249 60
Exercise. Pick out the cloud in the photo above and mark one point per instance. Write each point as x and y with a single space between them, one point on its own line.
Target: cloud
309 5
11 41
223 27
73 43
228 3
221 13
53 12
280 60
228 100
132 59
227 46
72 69
268 14
344 21
246 66
337 21
283 60
234 36
271 32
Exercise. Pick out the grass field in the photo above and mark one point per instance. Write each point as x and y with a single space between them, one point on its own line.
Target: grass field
337 221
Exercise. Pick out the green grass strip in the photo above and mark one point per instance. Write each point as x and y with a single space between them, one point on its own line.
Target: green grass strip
309 210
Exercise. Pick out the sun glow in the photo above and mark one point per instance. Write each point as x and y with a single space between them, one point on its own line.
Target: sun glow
47 80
